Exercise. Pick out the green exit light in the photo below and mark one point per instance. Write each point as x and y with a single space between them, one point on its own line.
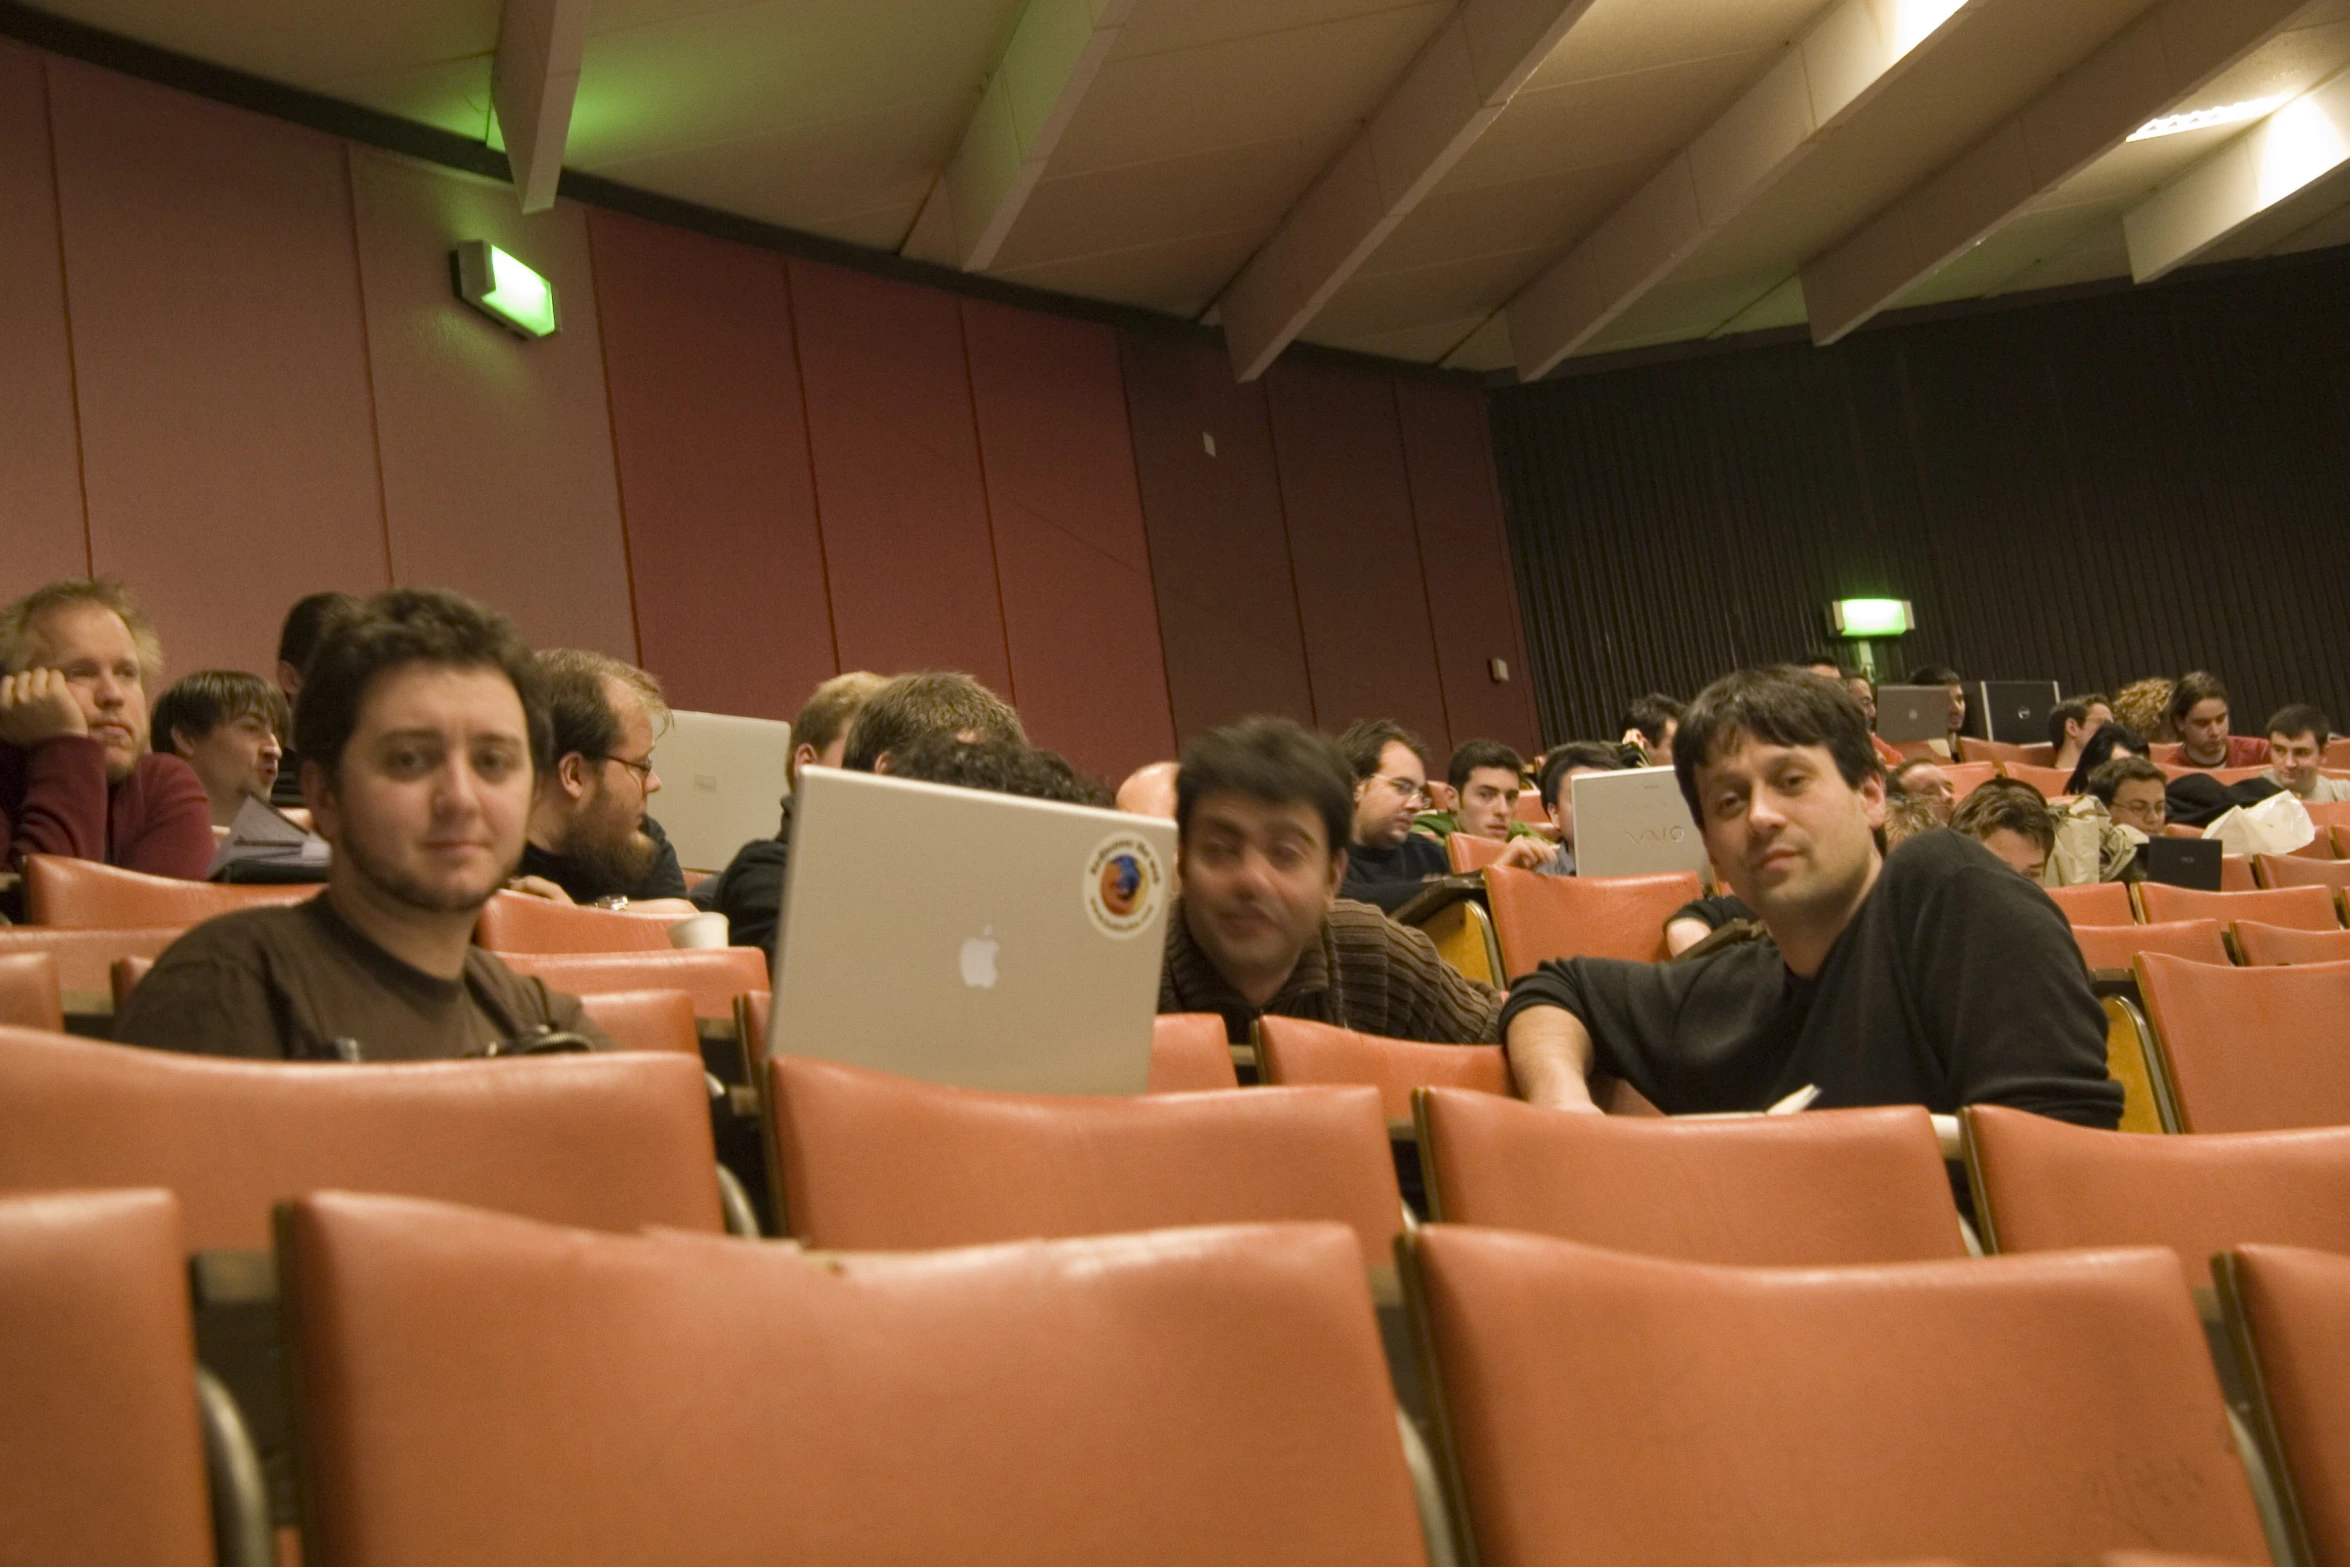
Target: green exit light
498 285
1870 617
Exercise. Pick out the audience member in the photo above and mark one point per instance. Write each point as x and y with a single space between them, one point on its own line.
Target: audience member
1650 723
305 623
1149 790
2297 736
996 766
2199 712
2011 819
1951 681
231 727
1931 976
2110 740
2072 721
1560 769
2144 706
1483 776
1262 808
1385 860
2131 789
1907 816
911 706
76 776
420 726
1925 782
590 839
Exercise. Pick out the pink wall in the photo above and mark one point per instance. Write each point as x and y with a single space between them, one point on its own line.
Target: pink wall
236 374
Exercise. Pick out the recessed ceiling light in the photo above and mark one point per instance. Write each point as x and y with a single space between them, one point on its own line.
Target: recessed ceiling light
2205 119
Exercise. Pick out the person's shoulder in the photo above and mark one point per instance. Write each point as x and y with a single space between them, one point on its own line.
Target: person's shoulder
160 777
487 972
1934 854
243 931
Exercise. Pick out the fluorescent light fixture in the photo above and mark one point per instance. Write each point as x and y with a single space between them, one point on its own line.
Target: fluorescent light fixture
2300 143
2205 119
498 285
1871 617
1914 21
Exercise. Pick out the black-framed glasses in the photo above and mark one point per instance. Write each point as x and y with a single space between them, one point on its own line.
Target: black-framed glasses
643 769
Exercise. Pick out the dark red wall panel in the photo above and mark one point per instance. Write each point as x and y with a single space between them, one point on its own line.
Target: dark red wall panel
1464 556
219 358
1219 551
497 453
1351 541
898 490
40 462
713 455
1078 609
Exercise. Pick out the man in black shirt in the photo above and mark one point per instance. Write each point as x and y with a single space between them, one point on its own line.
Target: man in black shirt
590 839
1936 976
1386 861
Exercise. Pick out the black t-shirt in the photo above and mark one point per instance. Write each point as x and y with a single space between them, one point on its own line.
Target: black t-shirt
749 892
1714 912
665 880
1391 878
1956 982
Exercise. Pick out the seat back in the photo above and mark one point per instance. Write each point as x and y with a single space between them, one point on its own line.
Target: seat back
713 976
2293 870
2113 946
1190 1053
871 1162
1296 1051
517 922
101 1460
1967 777
2235 874
85 958
2251 1049
2266 946
125 977
1821 1414
85 895
1972 750
2095 903
2288 1312
477 1391
2303 908
2050 781
2043 1185
2164 753
1538 917
29 996
2328 813
1529 808
1827 1187
661 1020
610 1141
1468 853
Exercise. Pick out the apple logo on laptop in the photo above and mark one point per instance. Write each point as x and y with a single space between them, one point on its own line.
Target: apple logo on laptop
979 959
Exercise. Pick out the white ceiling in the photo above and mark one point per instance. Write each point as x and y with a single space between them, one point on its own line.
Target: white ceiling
1195 137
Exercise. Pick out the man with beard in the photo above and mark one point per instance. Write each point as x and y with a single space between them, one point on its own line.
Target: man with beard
590 840
421 728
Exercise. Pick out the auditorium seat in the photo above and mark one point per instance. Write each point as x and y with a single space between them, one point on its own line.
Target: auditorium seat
2130 1061
1297 1051
2044 1185
479 1391
102 1447
124 978
1972 750
2304 908
2266 946
2164 753
68 894
2338 752
1826 1187
85 958
867 1161
2225 775
1538 917
2287 1309
1190 1053
713 976
2250 1049
1530 808
2287 870
611 1141
1468 853
2050 781
2328 813
1966 777
2036 1409
2096 903
2113 946
658 1020
29 994
517 922
2235 874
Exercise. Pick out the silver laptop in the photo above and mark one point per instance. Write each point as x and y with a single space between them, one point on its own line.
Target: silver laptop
1634 823
723 780
1908 713
971 938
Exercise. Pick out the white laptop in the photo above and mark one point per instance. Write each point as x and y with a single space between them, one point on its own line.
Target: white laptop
971 938
723 780
1634 823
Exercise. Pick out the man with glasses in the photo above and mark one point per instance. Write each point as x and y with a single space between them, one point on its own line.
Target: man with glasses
590 840
1386 861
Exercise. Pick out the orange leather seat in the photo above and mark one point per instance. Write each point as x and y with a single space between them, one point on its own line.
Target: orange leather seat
1538 917
517 922
2050 781
660 1020
2328 813
1825 1187
1972 750
2043 1185
86 895
2294 870
101 1452
2235 874
1296 1051
1600 1408
2250 1049
1190 1054
2288 1311
2164 753
610 1141
85 958
867 1161
126 974
2097 903
1966 777
1469 853
1530 808
479 1391
2114 946
29 996
713 976
2265 946
2303 908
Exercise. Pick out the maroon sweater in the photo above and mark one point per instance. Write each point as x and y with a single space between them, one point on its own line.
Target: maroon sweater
55 799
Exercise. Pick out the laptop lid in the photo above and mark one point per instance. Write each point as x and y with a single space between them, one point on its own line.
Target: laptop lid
971 938
1910 713
2184 862
1634 823
723 779
2012 711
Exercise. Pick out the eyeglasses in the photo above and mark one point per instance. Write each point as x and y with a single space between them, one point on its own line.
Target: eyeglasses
1403 786
643 769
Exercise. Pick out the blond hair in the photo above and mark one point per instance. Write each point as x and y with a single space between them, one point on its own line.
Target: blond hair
16 621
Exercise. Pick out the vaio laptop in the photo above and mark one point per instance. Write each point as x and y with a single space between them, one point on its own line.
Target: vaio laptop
971 938
2013 711
1634 823
723 780
1908 713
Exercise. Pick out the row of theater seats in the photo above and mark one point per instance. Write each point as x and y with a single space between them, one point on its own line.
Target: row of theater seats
2164 752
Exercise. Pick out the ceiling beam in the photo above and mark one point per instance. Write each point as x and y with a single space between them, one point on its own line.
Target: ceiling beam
2227 192
2166 56
533 83
1453 89
1850 55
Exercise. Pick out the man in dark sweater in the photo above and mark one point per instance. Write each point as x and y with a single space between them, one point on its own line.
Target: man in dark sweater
590 840
1936 976
1385 860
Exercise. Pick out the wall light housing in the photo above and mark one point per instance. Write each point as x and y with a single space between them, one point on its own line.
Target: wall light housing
500 286
1871 617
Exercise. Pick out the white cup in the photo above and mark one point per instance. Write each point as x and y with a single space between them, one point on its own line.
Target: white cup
699 930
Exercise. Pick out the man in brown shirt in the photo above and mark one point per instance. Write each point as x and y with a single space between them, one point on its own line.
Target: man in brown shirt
1262 814
420 725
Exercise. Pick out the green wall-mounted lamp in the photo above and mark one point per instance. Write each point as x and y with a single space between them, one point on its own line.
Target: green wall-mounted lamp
498 285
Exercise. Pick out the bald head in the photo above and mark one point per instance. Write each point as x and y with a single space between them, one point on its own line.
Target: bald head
1149 791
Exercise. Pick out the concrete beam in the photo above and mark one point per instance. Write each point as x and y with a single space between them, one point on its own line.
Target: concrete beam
534 81
2280 156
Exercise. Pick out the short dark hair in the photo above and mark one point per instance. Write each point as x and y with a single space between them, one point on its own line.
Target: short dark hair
998 766
2106 781
199 703
1564 759
2299 718
2192 691
1365 740
2073 710
582 714
393 630
1270 759
1780 707
1822 655
1935 675
929 703
1481 753
1651 713
306 623
1893 779
2018 810
2098 749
